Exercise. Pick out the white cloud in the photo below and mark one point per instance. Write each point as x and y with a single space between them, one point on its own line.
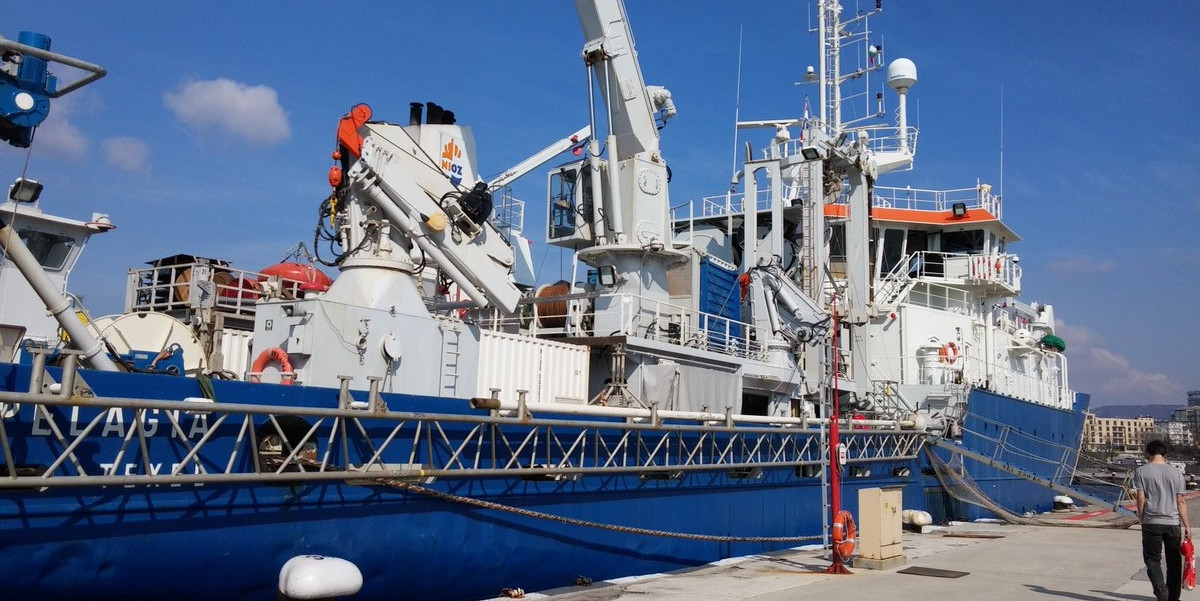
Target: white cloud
251 113
1109 376
58 137
127 154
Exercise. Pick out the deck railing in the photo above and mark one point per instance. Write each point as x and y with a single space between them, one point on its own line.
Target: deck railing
363 441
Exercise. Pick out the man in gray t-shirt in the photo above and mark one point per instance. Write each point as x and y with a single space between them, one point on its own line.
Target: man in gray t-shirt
1159 487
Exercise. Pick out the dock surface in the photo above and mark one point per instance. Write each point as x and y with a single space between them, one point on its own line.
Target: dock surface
1081 559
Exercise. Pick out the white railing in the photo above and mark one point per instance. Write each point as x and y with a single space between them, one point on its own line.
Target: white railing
1002 272
169 288
1016 315
878 139
944 298
1046 390
721 205
510 213
930 369
628 315
979 197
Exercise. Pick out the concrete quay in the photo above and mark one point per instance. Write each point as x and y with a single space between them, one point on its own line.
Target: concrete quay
1079 560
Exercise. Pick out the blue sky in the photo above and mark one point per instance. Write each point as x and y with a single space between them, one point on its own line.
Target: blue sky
211 134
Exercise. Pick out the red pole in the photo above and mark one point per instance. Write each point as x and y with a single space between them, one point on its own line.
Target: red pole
835 465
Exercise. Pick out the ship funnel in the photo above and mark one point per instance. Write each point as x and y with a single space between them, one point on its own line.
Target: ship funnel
433 114
414 112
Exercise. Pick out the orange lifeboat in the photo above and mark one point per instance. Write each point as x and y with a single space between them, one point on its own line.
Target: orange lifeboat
296 276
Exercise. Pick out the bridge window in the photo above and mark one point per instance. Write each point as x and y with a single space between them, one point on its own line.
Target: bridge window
50 250
893 250
965 242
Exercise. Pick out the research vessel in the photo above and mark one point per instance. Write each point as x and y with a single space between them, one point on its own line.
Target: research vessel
713 380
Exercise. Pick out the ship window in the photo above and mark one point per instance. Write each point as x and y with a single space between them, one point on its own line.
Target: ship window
562 203
893 250
50 250
570 199
837 242
965 242
755 404
918 241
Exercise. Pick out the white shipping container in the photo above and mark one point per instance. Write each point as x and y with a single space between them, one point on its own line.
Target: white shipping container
550 371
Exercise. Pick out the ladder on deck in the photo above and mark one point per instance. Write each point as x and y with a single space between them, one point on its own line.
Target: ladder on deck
451 360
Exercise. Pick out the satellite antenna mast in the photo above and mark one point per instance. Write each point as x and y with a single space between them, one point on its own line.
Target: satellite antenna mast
737 108
1001 140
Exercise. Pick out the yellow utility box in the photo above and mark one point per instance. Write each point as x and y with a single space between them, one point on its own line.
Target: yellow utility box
880 528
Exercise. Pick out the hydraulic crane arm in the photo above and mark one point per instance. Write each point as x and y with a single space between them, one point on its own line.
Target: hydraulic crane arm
540 158
632 106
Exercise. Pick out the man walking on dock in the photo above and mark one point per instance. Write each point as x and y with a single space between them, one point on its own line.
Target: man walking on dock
1162 509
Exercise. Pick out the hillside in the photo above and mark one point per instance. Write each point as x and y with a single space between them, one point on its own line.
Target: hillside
1158 412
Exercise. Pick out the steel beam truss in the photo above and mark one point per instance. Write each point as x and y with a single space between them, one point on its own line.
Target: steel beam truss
93 441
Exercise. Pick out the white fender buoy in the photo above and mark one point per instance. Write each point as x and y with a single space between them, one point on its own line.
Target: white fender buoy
916 517
318 577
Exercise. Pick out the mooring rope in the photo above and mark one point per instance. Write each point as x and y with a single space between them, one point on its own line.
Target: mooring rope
408 486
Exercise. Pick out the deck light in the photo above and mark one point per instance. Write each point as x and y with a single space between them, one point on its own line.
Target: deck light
810 153
959 209
24 190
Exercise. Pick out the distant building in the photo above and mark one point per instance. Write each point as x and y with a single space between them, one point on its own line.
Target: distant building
1189 418
1117 434
1194 398
1179 433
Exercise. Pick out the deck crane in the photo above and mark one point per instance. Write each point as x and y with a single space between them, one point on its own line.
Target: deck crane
614 206
26 87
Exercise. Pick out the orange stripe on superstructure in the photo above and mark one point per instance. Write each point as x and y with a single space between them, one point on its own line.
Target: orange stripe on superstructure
974 215
837 210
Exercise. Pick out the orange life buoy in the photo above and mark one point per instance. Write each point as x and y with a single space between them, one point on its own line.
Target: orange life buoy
948 353
844 534
265 357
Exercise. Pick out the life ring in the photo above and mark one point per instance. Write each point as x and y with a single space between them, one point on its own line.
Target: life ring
948 353
265 357
844 534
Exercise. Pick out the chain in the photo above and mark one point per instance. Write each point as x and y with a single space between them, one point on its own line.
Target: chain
408 486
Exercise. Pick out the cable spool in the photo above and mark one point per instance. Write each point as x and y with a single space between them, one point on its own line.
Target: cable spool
183 283
553 314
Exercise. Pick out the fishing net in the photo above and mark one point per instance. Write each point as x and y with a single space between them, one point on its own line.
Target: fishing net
959 484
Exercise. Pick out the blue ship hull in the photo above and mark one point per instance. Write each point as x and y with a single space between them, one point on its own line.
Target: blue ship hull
228 540
1042 441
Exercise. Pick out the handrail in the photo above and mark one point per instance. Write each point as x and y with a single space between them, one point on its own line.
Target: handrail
636 316
920 199
927 368
181 442
1000 271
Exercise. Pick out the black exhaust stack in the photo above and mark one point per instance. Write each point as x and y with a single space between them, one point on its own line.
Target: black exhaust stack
433 114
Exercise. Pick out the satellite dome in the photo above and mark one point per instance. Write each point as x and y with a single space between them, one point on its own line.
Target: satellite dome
902 74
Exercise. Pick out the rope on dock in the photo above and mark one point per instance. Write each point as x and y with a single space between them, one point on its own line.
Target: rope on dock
410 487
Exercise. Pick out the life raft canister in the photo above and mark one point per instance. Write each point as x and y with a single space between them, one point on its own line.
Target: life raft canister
844 534
264 359
948 353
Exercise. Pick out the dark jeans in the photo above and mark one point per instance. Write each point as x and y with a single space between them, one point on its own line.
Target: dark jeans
1156 538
